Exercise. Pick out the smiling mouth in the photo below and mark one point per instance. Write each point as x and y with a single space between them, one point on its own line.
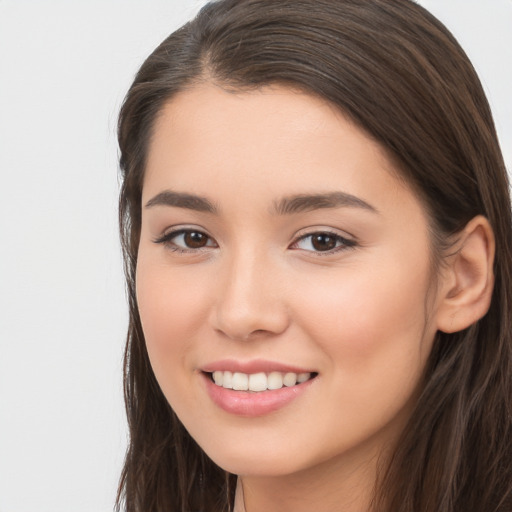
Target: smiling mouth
258 382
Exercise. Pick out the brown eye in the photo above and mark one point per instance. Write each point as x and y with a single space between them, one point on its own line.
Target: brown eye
195 239
323 242
186 240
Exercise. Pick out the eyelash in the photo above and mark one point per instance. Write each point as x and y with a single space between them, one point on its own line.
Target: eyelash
167 240
341 242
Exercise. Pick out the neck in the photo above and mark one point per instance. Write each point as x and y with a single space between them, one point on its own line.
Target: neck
333 486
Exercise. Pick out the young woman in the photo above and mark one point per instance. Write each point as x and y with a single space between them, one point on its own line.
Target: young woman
317 230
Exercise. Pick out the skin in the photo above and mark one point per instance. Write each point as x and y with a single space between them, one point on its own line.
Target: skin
362 316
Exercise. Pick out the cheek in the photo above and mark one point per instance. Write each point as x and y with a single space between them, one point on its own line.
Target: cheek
172 314
373 328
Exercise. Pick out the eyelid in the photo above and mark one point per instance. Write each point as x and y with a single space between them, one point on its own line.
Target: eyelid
343 242
175 231
347 241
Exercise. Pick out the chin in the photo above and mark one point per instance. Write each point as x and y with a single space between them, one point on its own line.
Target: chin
261 466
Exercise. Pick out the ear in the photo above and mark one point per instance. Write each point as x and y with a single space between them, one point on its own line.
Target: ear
467 283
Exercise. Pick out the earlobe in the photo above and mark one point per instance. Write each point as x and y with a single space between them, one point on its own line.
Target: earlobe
469 279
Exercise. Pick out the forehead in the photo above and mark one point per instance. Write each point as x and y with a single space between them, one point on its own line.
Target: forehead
274 140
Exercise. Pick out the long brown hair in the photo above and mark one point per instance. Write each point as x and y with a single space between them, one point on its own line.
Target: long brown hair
402 77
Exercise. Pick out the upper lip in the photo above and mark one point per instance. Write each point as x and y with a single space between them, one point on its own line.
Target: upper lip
252 366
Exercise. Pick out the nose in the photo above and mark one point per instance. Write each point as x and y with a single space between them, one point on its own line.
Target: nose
251 299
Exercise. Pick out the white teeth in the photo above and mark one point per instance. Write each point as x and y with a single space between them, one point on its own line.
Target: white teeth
290 379
218 378
303 377
227 380
258 381
275 380
240 381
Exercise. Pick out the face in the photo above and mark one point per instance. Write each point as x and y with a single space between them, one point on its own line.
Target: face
283 280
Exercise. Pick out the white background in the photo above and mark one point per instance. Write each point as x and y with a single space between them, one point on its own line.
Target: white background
64 69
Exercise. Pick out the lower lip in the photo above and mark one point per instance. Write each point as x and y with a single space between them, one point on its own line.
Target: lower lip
251 404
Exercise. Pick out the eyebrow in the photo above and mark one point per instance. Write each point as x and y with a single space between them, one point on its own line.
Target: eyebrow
286 206
308 202
182 200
